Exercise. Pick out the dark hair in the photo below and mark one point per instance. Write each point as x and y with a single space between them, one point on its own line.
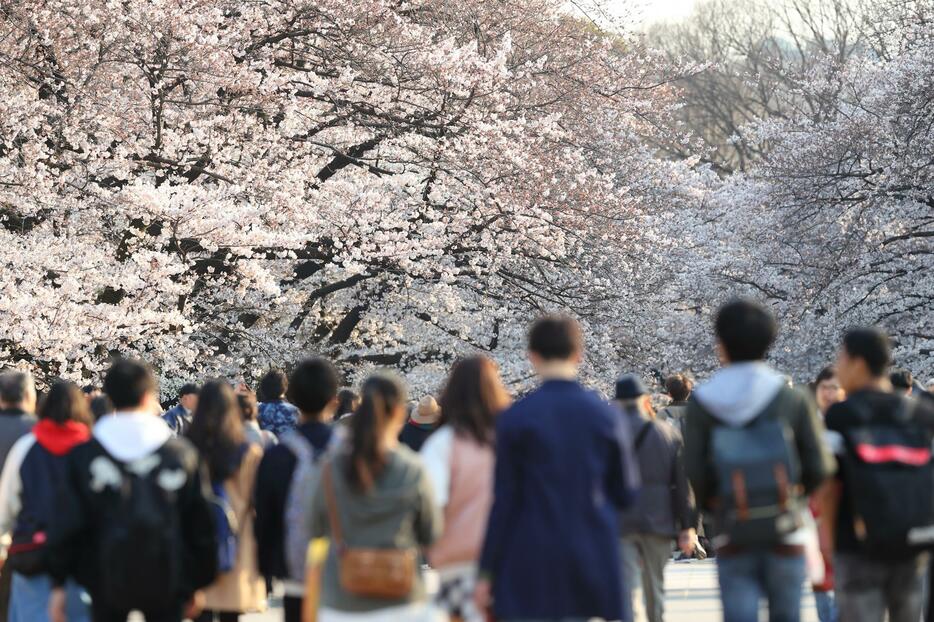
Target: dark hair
248 406
472 398
746 330
187 389
272 386
127 382
347 401
65 402
380 395
901 379
679 387
88 389
100 406
217 430
555 338
15 385
825 374
872 346
313 384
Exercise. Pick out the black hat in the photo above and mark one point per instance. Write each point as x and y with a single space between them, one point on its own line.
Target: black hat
629 387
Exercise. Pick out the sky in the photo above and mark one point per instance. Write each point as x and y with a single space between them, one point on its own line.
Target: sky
654 10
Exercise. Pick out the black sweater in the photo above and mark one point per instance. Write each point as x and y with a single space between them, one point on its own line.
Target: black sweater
85 508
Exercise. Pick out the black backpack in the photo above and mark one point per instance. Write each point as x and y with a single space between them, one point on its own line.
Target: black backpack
888 461
757 473
140 544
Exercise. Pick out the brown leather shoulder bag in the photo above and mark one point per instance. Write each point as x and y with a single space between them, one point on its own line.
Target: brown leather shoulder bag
368 572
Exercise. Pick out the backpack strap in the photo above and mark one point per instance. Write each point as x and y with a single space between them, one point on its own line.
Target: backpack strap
330 500
643 432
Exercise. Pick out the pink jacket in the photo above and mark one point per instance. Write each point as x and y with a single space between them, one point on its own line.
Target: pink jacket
461 471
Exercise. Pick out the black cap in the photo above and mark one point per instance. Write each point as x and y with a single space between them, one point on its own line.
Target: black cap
629 387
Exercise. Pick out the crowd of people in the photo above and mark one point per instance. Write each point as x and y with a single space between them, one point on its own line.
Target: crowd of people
561 505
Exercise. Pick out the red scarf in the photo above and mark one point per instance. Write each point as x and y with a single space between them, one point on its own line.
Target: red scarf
59 438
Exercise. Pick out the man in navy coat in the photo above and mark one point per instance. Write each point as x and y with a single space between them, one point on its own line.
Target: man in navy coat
564 470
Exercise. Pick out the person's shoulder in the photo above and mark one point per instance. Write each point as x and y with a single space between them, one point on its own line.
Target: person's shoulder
181 449
408 462
924 411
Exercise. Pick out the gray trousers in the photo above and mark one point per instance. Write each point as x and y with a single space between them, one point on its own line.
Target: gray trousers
866 589
644 559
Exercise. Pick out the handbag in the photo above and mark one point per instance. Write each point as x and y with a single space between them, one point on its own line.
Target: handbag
368 572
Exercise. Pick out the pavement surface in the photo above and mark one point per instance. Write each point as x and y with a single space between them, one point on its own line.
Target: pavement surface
691 596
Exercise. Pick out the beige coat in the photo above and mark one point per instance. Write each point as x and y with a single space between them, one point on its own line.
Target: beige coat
242 589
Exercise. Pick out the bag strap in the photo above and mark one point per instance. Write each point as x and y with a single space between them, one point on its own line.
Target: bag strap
643 432
330 500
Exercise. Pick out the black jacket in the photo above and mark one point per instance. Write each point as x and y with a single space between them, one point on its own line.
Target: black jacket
272 493
85 507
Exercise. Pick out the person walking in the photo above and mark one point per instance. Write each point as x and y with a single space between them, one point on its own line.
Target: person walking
288 478
564 470
275 413
679 388
217 433
751 444
17 404
664 510
249 410
34 470
827 392
421 424
376 505
459 458
883 492
132 523
178 418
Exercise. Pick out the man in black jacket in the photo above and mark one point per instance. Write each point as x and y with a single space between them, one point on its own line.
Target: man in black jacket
134 525
313 390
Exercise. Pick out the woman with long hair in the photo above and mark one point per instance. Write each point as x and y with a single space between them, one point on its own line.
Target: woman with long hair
374 495
459 458
217 432
34 470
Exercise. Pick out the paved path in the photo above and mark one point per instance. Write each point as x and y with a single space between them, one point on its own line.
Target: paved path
692 596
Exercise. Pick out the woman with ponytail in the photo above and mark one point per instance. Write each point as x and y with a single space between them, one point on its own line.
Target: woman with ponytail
375 496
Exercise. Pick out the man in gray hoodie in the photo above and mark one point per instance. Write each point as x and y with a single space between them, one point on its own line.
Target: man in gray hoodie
746 391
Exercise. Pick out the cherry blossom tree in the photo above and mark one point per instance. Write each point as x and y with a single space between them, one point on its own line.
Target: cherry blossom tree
221 186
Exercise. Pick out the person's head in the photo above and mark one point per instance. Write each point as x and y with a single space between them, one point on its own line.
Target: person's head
100 406
426 411
347 402
679 387
827 389
273 386
17 390
555 340
217 429
374 427
65 402
90 392
131 386
745 331
249 409
863 359
632 396
472 398
929 386
313 389
902 381
188 396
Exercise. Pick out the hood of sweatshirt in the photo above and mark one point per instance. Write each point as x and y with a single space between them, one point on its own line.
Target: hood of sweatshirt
738 393
129 436
59 438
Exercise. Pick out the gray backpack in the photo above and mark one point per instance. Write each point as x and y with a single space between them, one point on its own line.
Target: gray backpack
302 488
